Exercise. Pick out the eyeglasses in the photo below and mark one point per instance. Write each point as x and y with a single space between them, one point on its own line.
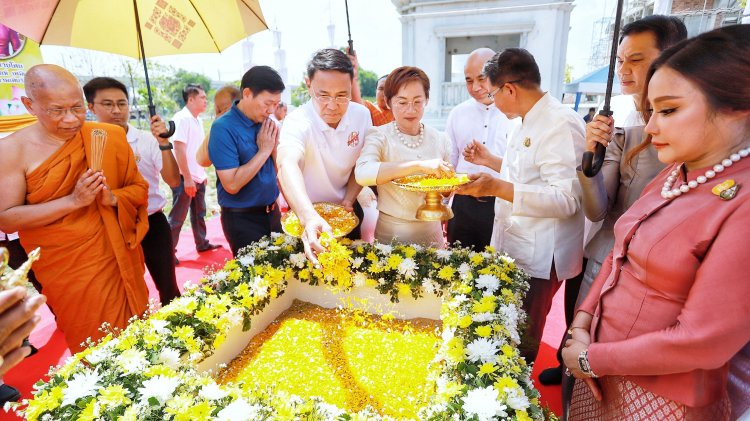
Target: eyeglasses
56 113
109 105
418 104
327 99
491 95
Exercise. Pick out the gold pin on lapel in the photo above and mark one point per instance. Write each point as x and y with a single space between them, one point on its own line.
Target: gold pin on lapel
726 190
527 142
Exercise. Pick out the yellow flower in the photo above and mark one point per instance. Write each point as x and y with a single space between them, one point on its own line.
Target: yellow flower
507 350
88 413
455 352
371 256
485 305
476 259
505 382
446 273
410 251
464 321
490 249
394 260
404 289
450 390
464 289
483 331
487 368
114 396
522 415
231 265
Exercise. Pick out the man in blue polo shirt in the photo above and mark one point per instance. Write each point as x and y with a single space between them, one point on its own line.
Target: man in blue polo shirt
243 149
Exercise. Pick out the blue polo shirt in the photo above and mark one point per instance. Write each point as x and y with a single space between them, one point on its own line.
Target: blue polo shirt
232 145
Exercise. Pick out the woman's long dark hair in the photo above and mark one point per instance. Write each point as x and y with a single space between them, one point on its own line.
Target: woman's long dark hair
717 62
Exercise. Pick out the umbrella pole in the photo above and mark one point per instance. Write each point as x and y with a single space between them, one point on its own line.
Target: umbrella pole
349 29
591 163
151 107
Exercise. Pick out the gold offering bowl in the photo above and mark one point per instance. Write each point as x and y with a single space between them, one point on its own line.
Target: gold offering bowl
341 221
433 208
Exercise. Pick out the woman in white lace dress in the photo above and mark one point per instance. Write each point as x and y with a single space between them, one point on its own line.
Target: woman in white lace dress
401 148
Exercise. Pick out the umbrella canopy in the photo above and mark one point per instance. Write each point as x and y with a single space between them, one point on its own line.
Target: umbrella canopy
168 27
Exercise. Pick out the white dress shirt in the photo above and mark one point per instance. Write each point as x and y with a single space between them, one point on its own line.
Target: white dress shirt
545 220
472 120
189 130
149 162
329 154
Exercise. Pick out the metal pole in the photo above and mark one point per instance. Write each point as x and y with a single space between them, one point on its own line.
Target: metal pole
349 29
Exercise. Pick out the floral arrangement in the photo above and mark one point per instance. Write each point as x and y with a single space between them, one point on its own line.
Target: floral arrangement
147 371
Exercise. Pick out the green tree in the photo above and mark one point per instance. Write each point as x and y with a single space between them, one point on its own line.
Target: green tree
180 79
300 95
368 82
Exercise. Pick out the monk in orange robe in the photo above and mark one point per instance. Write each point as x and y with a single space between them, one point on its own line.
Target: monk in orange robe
88 224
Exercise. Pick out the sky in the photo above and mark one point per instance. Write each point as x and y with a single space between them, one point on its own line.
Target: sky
376 31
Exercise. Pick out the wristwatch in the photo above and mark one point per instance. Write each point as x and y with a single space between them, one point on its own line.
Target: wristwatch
166 147
583 364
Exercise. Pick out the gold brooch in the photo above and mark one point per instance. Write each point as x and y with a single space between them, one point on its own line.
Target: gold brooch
527 142
726 190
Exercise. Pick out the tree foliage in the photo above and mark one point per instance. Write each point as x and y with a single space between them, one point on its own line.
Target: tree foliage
368 82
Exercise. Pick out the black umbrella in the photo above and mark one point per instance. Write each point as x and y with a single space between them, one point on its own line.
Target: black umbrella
592 162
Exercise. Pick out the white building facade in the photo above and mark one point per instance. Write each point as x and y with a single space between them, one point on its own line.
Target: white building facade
438 34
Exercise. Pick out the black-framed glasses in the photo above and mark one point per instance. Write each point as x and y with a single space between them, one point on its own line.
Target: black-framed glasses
327 99
110 105
491 95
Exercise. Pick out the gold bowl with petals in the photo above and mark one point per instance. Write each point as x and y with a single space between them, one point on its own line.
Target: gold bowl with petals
341 221
433 187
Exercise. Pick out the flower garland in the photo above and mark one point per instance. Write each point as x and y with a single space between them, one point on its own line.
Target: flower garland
147 371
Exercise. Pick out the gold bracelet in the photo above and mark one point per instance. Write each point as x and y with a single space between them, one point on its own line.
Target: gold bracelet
570 330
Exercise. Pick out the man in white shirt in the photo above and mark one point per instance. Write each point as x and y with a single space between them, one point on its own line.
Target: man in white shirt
538 215
475 120
108 99
191 193
319 145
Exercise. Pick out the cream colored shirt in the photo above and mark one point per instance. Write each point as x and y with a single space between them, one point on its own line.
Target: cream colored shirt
382 144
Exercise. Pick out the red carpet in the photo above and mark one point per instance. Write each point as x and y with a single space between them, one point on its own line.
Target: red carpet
54 351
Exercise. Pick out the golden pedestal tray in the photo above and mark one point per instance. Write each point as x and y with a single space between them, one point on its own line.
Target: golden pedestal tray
433 208
341 221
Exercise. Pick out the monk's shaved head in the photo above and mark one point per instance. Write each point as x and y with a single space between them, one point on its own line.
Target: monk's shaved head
44 78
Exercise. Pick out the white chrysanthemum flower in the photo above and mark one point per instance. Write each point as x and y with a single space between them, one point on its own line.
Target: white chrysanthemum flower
483 317
160 326
80 386
457 301
448 334
443 254
359 279
331 412
219 276
357 262
482 349
238 410
298 260
169 357
386 249
489 283
408 267
247 260
262 244
234 316
516 399
511 316
429 286
212 392
273 248
465 271
484 404
159 387
98 355
132 360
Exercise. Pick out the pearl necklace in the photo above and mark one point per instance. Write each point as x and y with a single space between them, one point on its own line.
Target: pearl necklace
669 193
403 139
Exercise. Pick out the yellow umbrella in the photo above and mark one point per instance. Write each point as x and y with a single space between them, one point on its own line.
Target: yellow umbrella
137 28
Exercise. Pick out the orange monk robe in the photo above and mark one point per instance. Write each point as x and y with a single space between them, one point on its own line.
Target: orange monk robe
91 265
